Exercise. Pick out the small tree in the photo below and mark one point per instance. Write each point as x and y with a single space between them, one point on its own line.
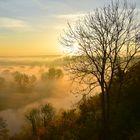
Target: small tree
52 74
40 117
47 113
103 43
23 80
33 117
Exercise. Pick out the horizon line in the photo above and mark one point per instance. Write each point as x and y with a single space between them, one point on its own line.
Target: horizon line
47 55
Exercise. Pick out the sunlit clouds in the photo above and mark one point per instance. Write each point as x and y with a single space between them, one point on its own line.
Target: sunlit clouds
13 24
33 27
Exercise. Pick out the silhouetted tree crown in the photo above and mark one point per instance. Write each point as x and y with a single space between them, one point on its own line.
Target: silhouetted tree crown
104 44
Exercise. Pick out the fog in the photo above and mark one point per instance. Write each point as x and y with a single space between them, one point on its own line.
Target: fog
18 96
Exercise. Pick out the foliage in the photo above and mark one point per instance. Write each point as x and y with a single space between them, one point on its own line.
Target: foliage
39 118
52 74
47 113
23 80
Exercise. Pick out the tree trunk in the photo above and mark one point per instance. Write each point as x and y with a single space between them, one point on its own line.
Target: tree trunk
103 106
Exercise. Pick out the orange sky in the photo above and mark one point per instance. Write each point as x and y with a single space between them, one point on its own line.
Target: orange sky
30 44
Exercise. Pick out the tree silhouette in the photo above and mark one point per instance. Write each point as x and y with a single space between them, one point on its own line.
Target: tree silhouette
33 117
47 113
103 43
23 80
52 74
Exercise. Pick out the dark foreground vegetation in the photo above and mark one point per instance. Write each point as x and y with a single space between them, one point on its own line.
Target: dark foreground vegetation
84 121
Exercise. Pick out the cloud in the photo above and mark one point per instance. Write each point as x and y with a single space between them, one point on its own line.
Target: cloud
13 24
62 19
71 16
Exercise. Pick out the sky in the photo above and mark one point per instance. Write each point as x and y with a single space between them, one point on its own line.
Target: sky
33 27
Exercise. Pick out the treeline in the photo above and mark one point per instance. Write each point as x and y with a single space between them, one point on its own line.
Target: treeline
84 122
25 82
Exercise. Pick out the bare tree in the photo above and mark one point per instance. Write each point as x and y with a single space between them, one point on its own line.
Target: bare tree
103 43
